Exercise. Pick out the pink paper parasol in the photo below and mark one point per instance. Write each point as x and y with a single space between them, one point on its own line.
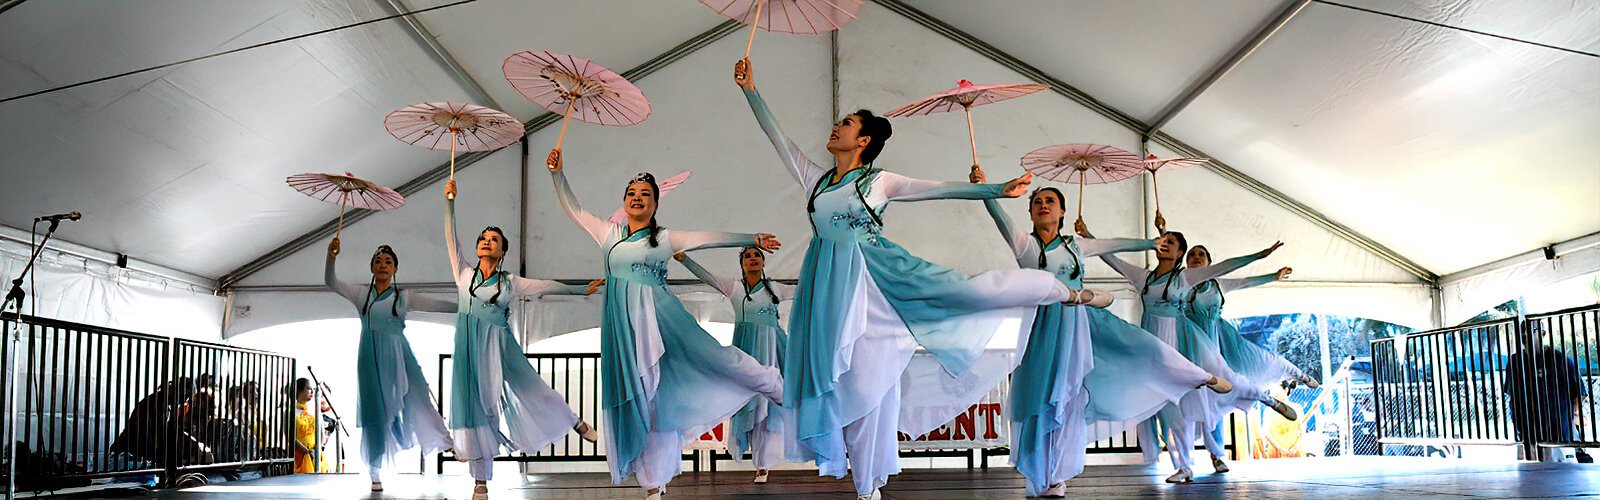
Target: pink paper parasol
966 95
472 127
348 191
1152 164
621 216
576 88
1082 164
801 17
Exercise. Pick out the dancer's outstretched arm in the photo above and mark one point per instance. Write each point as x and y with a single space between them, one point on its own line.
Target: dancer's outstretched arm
597 227
350 291
1226 285
457 262
723 285
1227 266
804 171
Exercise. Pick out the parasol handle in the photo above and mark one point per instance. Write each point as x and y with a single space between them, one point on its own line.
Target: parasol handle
972 137
452 170
1080 196
1161 222
340 229
565 117
753 24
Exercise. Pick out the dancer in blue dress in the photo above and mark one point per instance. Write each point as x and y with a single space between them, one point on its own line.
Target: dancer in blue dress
1083 365
492 378
394 409
758 427
664 380
1164 293
864 305
1255 365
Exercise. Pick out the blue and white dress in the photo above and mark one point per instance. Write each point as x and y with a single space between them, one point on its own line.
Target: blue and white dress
1255 365
758 427
1083 365
864 305
1164 297
394 407
664 380
493 380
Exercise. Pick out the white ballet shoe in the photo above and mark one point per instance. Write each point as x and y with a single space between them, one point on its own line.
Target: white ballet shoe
480 492
1183 476
654 494
872 496
1219 466
1058 490
1219 385
761 476
1309 382
1285 410
586 431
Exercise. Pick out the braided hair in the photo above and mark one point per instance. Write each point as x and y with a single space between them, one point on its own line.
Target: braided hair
499 283
1077 264
1183 248
764 280
372 297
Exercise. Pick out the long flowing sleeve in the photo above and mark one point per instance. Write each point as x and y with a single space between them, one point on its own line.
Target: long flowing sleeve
896 187
1093 247
684 241
350 291
457 263
804 171
1134 274
1226 285
1222 268
723 285
434 302
530 288
590 223
1015 237
785 291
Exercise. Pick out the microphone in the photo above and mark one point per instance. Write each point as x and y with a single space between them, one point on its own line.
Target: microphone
58 217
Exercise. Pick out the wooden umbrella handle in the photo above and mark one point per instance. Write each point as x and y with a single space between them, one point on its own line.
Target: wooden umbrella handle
753 23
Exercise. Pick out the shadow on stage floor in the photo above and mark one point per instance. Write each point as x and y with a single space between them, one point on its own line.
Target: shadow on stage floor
1354 477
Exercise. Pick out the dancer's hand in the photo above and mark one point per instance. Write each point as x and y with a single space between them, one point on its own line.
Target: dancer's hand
553 161
679 256
594 285
1018 186
976 175
744 75
1082 229
333 247
1271 249
767 242
1283 274
450 189
1161 223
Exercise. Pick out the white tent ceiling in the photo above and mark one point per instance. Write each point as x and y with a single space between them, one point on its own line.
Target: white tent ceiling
1448 148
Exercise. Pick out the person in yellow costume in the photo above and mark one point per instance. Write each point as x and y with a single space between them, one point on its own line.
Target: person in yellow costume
305 429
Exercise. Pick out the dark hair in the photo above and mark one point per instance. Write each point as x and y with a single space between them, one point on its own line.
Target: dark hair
499 283
1200 247
1183 248
302 384
770 292
1077 264
372 296
1183 244
655 192
875 128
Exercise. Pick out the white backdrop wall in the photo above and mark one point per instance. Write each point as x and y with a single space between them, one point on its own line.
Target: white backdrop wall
71 288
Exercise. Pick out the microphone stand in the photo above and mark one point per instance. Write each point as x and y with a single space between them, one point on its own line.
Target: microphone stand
14 298
338 421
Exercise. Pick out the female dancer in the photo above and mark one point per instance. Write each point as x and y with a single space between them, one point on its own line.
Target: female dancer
864 304
492 376
1076 351
1255 365
395 408
665 379
758 426
1164 293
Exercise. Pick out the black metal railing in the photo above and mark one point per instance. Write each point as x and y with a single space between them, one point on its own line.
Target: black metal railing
98 402
576 377
1527 382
